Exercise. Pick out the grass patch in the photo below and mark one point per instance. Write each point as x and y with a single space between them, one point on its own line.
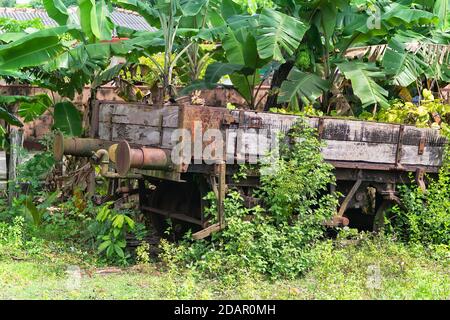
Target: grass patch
343 269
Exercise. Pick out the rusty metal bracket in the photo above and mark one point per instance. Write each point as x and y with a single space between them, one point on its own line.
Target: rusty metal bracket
228 120
421 146
255 123
398 154
390 194
420 174
320 128
161 129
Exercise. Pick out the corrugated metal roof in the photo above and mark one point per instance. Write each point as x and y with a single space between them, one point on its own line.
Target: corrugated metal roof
120 17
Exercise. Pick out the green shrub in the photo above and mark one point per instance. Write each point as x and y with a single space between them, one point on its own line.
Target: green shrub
12 234
111 228
420 115
143 253
274 240
16 240
424 217
12 25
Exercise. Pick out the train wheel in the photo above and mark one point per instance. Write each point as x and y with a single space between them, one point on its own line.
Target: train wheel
176 207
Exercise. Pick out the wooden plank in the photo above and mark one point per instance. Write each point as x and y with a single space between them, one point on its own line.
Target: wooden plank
413 136
345 130
207 231
359 151
104 112
346 140
142 135
349 130
270 121
250 142
104 131
432 156
146 116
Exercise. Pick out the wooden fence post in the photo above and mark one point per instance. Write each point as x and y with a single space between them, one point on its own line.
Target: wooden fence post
16 144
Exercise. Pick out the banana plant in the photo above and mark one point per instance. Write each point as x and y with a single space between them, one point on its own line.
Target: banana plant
170 18
336 27
65 58
251 45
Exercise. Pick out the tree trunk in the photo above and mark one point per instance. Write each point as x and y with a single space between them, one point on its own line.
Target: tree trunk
16 143
279 76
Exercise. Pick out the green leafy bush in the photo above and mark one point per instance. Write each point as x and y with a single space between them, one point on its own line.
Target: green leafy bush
111 228
12 25
34 171
424 217
16 240
274 239
420 115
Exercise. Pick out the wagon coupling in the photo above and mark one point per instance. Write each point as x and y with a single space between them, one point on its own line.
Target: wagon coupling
141 158
102 158
80 147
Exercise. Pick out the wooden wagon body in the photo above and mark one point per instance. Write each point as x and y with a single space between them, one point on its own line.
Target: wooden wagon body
364 154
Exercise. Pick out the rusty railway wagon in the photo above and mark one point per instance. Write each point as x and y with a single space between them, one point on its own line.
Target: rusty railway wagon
138 141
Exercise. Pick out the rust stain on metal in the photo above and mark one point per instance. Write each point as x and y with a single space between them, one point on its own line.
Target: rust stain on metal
80 147
421 146
140 158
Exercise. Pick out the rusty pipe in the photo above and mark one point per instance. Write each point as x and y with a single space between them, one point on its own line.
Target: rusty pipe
141 158
102 157
80 147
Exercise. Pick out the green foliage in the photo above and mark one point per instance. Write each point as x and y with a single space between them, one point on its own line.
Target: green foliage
16 241
142 253
34 106
37 211
12 25
12 234
33 49
421 115
363 77
67 119
147 72
306 86
112 227
341 270
294 184
33 199
278 32
30 107
7 3
275 239
369 267
68 221
424 217
56 10
33 172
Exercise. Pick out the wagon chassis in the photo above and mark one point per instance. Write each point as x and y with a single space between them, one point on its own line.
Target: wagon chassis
369 158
